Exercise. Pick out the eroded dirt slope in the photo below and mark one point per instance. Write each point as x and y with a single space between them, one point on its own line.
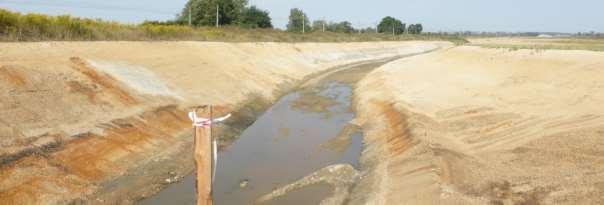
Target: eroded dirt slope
105 122
471 125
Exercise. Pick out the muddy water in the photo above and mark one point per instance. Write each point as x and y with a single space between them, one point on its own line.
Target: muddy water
303 132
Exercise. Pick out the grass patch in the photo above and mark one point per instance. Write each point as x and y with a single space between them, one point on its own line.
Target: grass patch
37 27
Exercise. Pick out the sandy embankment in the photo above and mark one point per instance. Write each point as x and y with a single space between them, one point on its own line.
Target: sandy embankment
105 122
470 125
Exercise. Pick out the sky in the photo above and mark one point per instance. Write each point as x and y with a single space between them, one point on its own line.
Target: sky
435 15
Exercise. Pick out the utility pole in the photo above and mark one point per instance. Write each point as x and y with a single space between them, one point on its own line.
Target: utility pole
217 15
323 24
303 23
376 24
190 6
393 30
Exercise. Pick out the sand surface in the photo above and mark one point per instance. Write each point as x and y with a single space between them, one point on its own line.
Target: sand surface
471 125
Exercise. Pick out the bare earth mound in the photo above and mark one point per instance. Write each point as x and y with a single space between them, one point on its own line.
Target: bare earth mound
472 125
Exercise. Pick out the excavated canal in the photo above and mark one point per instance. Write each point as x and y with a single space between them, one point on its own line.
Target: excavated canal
304 131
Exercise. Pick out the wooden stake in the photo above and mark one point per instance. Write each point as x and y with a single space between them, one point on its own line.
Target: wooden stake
203 158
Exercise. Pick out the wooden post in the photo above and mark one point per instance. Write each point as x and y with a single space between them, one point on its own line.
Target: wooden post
203 158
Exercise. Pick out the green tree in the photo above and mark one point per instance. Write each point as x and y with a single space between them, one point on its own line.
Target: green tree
419 28
369 30
318 25
411 29
390 25
298 21
203 12
343 27
253 17
415 29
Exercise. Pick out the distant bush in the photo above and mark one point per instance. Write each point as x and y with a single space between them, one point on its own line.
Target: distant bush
36 27
253 17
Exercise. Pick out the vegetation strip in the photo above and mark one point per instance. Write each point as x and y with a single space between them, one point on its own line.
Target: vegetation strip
38 27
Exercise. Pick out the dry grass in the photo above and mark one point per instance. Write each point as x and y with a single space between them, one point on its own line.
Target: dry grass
37 27
590 44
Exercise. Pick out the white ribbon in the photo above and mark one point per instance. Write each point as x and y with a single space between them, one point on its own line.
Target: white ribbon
215 159
204 122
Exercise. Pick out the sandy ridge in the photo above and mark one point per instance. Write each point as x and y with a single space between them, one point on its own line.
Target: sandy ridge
471 125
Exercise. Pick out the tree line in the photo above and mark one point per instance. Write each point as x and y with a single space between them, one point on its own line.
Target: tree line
298 22
220 12
238 12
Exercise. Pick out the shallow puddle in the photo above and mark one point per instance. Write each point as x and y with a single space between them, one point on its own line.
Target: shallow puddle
284 145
